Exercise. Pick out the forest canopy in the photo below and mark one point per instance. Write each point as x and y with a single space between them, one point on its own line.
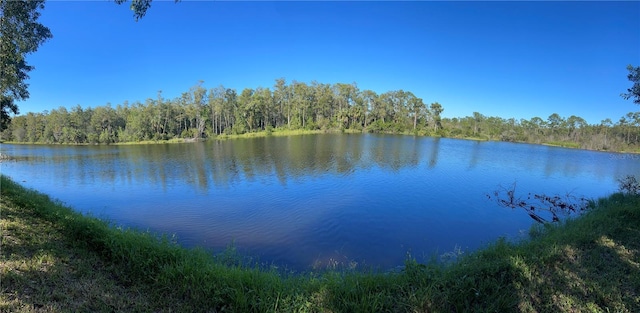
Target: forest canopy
206 113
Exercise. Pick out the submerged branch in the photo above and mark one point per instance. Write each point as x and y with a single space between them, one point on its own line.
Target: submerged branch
541 207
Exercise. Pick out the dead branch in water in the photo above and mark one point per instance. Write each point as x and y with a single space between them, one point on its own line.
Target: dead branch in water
540 207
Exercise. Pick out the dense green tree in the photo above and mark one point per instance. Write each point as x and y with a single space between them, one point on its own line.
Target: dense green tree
539 125
478 120
104 125
417 109
19 129
555 122
282 101
197 110
400 105
369 100
436 110
325 102
383 108
634 91
603 128
34 127
245 111
55 123
230 107
262 103
20 35
379 110
78 127
301 100
216 105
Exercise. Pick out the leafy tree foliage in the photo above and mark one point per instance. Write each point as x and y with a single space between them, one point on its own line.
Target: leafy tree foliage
634 91
20 35
572 132
205 113
436 109
202 113
139 7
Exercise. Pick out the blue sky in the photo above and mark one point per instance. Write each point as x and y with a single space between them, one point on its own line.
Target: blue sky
507 59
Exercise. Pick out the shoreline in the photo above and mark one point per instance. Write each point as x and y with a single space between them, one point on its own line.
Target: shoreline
297 132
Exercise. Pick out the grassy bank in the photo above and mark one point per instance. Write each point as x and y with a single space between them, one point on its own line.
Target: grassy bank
281 132
275 132
57 260
563 144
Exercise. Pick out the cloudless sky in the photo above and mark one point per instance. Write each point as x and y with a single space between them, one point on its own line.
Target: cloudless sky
507 59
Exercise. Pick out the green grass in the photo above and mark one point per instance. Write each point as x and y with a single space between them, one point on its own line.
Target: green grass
57 260
151 142
474 138
564 144
280 132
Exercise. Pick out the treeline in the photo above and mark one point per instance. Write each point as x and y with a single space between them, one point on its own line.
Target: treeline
574 131
201 113
206 113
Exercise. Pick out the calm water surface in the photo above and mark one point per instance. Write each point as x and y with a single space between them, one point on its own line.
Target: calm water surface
314 200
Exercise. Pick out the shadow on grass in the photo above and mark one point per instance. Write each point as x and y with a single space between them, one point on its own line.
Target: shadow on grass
589 264
40 272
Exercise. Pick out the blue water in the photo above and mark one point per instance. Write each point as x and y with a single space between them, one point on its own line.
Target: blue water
317 200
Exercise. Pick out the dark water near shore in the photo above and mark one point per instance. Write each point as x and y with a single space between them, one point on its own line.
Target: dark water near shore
316 200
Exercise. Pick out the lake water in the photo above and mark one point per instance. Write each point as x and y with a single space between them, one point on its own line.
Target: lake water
317 200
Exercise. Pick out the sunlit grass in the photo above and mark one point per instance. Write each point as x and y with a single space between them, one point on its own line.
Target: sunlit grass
564 144
474 138
276 132
57 260
41 272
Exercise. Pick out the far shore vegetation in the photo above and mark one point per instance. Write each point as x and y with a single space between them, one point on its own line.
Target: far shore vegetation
301 108
54 259
294 132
